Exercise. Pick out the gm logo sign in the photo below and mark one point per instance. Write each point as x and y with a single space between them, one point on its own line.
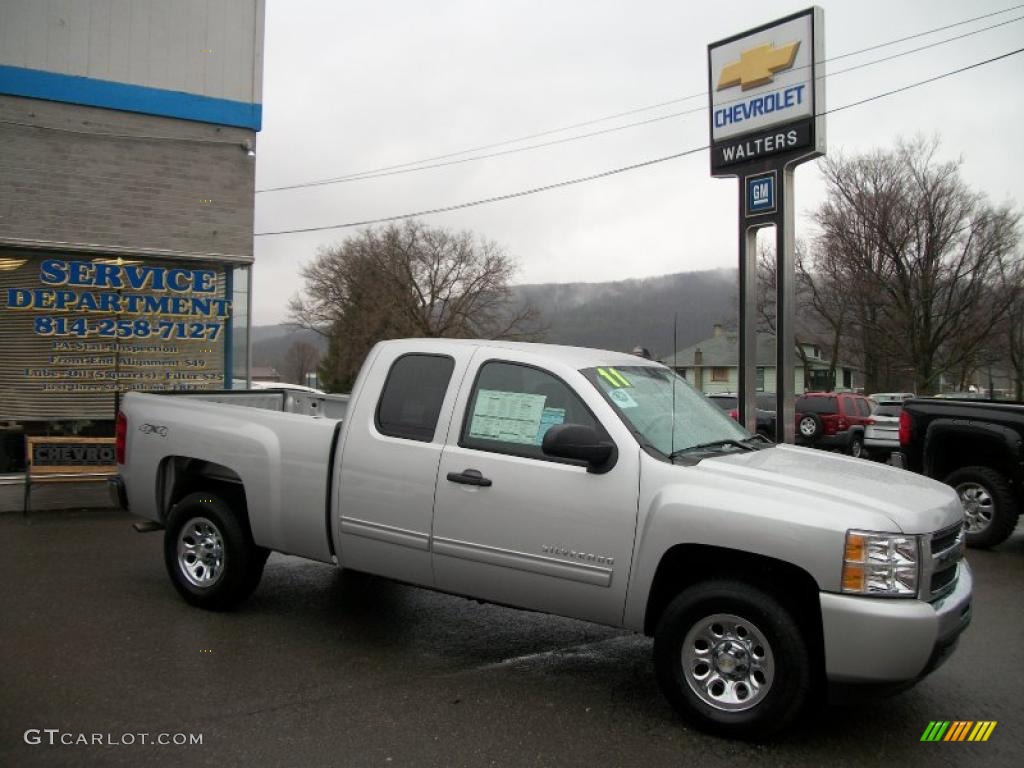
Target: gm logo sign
761 194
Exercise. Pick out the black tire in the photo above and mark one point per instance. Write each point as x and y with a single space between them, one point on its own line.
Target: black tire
771 706
990 509
809 426
856 447
229 562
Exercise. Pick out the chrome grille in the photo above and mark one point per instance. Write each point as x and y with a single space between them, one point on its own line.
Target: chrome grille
945 551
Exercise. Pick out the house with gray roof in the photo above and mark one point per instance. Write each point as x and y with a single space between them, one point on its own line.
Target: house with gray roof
712 365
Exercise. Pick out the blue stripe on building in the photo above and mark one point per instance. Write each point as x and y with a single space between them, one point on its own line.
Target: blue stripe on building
73 89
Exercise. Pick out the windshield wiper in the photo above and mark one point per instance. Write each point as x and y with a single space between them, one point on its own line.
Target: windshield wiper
745 445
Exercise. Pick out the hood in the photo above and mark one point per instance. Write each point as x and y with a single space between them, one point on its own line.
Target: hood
914 504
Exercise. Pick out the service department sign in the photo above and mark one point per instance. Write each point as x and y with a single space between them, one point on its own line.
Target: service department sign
767 92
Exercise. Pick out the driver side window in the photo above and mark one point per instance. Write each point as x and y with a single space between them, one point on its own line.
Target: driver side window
512 407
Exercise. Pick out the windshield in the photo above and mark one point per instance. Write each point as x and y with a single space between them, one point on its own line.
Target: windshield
643 398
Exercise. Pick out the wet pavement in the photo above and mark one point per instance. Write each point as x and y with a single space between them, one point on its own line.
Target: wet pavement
322 667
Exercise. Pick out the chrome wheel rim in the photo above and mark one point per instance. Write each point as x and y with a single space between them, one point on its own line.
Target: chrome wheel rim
807 427
979 508
201 552
727 662
856 449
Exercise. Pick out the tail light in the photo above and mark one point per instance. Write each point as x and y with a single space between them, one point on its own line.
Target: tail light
869 422
734 414
905 428
120 436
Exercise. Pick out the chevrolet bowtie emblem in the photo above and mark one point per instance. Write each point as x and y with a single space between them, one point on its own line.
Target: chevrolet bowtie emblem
757 66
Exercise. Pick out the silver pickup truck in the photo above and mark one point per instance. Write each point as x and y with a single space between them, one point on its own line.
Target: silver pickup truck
577 482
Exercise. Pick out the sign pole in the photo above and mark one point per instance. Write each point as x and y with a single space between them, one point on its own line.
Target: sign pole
767 116
746 374
785 331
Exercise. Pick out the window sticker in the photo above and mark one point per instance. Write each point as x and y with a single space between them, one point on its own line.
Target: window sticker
508 417
613 377
548 419
622 398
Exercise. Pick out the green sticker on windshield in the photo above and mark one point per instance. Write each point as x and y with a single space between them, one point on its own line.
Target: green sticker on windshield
613 377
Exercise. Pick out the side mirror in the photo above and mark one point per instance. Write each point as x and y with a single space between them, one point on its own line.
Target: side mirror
582 443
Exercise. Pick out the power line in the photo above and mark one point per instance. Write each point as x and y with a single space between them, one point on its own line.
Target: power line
623 169
530 147
374 172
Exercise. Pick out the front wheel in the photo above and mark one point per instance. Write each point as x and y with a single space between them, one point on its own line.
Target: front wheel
732 659
990 511
209 553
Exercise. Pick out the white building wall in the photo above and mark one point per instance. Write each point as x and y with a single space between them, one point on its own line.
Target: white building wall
210 48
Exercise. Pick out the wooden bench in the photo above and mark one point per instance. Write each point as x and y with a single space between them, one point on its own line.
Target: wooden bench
67 460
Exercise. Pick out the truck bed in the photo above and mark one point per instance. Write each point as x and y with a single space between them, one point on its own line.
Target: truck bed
276 445
284 400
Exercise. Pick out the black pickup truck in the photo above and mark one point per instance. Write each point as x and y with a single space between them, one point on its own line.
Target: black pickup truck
978 448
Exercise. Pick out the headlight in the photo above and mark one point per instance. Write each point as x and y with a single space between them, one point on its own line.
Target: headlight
882 564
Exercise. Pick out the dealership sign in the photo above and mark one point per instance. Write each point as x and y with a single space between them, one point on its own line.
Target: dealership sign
77 330
766 92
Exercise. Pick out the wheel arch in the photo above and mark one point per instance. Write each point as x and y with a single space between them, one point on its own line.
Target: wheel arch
687 564
949 446
179 476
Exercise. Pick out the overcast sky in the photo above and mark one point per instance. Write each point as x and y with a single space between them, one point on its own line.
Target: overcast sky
350 87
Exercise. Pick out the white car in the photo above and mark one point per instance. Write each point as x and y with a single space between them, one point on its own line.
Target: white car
882 431
891 397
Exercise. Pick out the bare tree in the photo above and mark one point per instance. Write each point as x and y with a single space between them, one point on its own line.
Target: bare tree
408 280
301 359
819 307
1009 338
919 253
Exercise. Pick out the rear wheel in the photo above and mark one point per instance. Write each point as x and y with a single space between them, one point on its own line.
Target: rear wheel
732 659
209 552
990 511
856 447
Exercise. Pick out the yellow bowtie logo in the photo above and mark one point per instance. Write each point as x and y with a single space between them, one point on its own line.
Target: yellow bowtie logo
757 66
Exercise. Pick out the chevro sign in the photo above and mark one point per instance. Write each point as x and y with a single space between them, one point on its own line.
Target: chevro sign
766 91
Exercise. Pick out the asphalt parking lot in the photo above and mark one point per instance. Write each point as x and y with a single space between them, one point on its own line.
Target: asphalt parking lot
323 667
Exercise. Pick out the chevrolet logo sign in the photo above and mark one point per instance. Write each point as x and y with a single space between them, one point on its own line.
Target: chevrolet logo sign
757 66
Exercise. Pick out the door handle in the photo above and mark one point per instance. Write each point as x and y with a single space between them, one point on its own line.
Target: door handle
469 477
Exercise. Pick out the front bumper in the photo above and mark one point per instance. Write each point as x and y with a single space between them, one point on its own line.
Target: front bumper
887 640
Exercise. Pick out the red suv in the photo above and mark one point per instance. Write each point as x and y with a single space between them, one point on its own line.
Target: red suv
832 420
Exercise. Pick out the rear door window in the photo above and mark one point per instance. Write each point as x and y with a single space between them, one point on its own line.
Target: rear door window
412 397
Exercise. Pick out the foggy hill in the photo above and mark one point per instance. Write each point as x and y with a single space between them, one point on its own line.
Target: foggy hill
270 344
617 315
623 314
